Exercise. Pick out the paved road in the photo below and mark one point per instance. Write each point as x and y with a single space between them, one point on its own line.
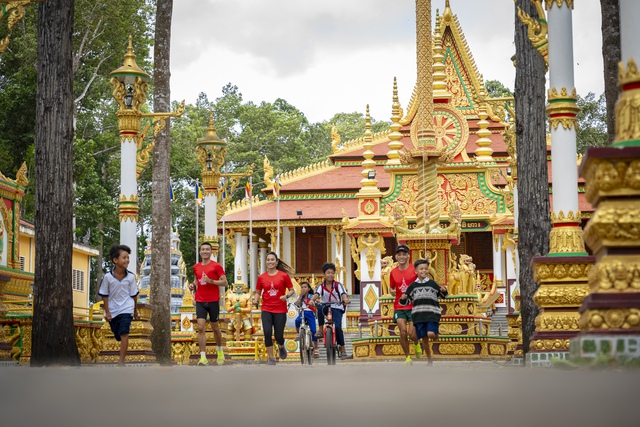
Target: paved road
355 394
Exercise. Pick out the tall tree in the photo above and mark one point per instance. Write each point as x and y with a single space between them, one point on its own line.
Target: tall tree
533 190
53 332
611 55
160 281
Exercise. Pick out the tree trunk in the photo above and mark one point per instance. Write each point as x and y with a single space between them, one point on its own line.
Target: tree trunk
53 339
533 189
611 55
160 280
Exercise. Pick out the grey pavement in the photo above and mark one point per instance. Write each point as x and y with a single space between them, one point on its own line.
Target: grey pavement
355 394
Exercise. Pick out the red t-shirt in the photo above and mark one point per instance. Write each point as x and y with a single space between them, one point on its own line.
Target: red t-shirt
400 281
207 292
272 288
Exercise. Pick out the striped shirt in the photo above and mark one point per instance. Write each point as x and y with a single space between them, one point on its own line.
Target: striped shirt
426 307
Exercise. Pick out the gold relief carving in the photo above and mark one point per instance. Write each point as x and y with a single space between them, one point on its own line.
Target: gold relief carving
616 221
561 271
497 349
392 350
628 105
385 310
537 31
355 256
362 350
450 329
180 353
367 242
616 275
564 295
620 176
550 322
562 108
464 188
562 218
557 344
483 349
405 202
625 318
446 348
550 3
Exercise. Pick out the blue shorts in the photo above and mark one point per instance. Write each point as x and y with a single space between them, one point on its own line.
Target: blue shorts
423 328
311 320
121 325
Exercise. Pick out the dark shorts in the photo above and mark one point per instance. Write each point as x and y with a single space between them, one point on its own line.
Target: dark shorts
121 325
402 314
423 328
213 308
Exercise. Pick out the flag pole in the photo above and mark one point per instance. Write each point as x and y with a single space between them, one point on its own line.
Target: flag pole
197 224
277 184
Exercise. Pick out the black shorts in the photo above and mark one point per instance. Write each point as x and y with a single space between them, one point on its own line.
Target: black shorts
213 308
121 325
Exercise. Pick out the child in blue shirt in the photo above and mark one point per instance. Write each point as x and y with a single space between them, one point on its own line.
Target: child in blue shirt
306 293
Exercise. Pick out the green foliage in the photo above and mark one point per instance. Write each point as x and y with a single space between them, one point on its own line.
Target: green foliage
592 122
495 89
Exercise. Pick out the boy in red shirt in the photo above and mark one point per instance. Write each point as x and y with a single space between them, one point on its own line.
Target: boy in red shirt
209 277
399 280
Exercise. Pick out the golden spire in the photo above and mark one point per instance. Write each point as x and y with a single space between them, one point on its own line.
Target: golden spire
211 137
484 150
423 134
130 68
369 182
395 136
439 76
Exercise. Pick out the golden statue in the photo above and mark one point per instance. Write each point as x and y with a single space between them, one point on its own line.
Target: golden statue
268 173
239 303
335 139
386 265
462 275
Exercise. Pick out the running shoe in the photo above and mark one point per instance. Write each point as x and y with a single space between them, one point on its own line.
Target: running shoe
418 350
220 359
319 334
203 361
408 361
271 362
282 352
343 355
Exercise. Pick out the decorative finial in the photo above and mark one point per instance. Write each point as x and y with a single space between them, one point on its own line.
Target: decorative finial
395 136
439 75
130 67
484 150
368 182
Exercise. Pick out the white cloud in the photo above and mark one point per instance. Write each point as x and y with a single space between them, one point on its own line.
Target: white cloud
337 56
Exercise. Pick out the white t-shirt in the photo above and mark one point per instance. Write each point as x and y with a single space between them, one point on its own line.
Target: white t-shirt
332 294
119 292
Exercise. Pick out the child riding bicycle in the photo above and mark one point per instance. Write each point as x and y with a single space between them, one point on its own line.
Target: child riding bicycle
308 309
332 292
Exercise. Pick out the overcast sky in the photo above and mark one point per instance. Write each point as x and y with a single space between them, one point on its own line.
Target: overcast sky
331 56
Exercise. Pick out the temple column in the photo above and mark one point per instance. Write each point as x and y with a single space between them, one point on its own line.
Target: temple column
237 259
348 281
286 255
128 208
253 261
564 270
610 314
262 246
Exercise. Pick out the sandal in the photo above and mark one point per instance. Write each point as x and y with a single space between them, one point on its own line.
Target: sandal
318 334
316 353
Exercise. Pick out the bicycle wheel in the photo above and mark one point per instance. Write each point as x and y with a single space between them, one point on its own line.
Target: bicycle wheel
308 347
303 345
328 343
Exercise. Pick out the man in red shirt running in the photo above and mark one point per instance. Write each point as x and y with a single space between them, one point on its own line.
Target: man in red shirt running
209 277
399 280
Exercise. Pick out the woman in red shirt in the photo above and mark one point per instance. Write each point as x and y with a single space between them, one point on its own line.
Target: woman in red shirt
274 285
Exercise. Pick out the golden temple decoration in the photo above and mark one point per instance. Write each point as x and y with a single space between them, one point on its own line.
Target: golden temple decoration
549 3
562 108
549 345
395 136
605 177
537 30
614 274
627 108
484 150
14 11
335 139
612 318
273 233
614 221
546 271
422 134
553 322
306 171
439 75
564 238
560 295
457 349
370 245
355 256
461 278
128 208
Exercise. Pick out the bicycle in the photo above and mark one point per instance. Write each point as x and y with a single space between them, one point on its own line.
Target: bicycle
329 333
305 338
